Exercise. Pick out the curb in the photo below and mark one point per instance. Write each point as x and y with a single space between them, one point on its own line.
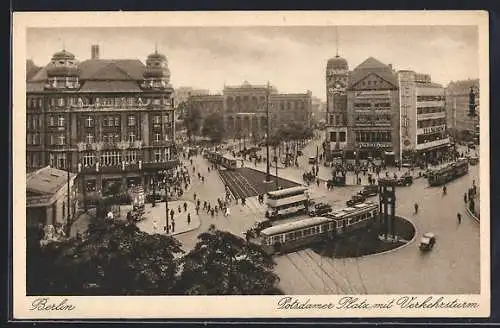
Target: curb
471 214
195 227
397 248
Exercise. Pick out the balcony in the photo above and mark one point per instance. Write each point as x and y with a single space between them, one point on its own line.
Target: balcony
431 115
431 103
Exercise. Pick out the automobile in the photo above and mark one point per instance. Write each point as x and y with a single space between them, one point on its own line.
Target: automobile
427 241
405 180
473 160
336 181
317 209
370 190
355 199
312 160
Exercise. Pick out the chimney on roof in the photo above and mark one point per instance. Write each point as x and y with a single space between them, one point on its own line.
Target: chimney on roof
95 51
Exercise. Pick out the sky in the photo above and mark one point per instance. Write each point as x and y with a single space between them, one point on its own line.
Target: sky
292 58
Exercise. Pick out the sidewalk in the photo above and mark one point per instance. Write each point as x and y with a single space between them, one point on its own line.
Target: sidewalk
154 221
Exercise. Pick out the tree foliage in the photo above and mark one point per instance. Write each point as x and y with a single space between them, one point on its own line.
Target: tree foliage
213 127
224 264
192 119
113 258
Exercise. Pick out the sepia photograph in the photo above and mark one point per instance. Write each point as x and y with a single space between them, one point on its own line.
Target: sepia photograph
286 164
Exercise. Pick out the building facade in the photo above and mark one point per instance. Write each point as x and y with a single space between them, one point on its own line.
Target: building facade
337 79
457 107
111 121
423 117
373 111
244 108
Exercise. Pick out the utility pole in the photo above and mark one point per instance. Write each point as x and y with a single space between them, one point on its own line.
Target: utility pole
268 173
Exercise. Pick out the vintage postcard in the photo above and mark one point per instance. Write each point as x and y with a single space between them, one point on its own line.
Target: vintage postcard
250 165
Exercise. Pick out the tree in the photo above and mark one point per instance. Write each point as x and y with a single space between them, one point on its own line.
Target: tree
213 127
113 258
224 264
192 119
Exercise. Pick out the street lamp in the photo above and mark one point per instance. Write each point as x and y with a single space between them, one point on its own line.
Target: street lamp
166 181
268 173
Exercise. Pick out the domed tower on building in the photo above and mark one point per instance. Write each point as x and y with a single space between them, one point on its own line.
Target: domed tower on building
62 71
337 79
156 74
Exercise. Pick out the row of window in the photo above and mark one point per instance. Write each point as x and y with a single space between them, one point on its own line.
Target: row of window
369 136
60 138
377 105
34 102
341 138
104 101
34 122
115 158
430 98
431 122
425 138
336 119
107 121
428 110
373 118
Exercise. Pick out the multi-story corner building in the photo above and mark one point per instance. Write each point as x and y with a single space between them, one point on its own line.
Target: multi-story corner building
337 79
373 111
112 121
244 108
423 117
457 107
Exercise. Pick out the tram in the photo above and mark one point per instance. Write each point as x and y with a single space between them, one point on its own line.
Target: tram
290 236
226 161
285 202
448 173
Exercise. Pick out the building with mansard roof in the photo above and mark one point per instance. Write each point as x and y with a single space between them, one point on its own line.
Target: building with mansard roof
110 120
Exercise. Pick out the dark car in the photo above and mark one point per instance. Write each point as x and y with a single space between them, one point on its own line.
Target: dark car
312 160
370 190
405 180
316 209
356 199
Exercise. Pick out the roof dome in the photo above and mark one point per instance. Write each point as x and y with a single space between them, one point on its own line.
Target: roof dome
63 63
337 63
157 67
63 55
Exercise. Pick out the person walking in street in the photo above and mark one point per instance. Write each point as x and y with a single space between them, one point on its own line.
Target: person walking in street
416 208
317 182
185 206
173 226
459 218
189 218
197 210
172 214
179 208
444 190
465 197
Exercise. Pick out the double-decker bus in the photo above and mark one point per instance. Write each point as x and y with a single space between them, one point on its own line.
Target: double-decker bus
284 202
292 235
448 173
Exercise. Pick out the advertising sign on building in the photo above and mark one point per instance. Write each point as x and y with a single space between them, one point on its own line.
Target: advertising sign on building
434 129
373 145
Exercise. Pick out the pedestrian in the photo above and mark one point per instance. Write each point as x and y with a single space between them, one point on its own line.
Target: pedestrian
459 217
194 196
444 190
317 182
173 226
416 208
189 218
212 212
228 211
204 204
197 210
202 179
179 208
185 206
243 201
465 197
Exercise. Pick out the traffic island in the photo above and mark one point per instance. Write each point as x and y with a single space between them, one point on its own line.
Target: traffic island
369 241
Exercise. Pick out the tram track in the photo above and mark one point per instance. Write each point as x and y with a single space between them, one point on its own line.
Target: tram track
304 276
313 261
346 281
316 270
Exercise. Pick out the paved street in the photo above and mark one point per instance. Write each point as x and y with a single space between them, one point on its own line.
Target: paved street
451 267
154 221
